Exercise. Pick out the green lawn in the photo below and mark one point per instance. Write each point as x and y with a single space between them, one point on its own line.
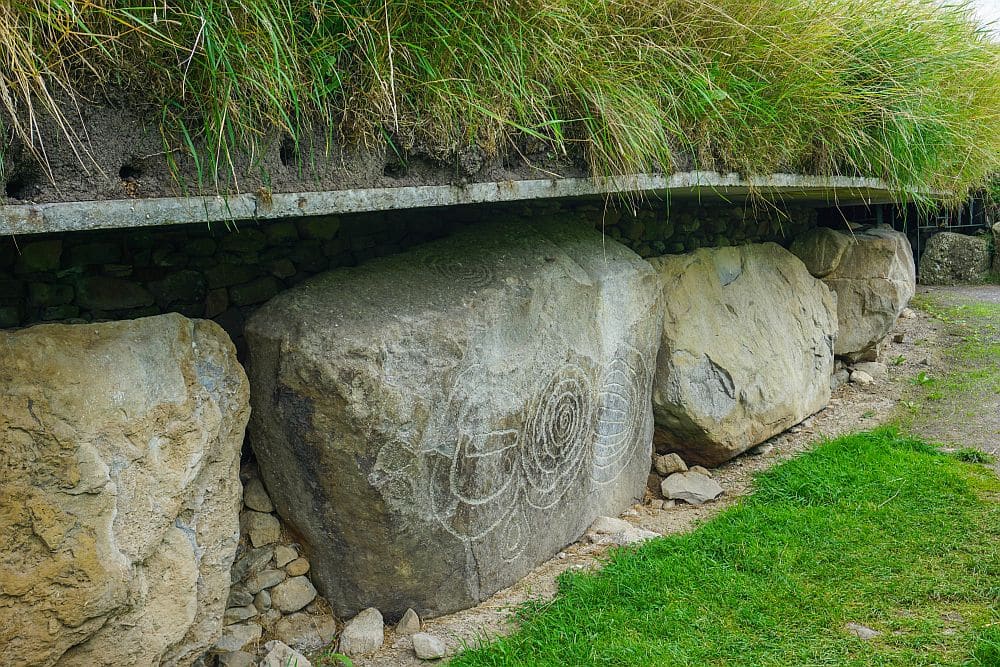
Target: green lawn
874 528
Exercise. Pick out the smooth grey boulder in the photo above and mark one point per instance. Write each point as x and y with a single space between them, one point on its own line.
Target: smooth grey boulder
436 423
955 259
873 277
747 349
363 634
691 487
119 490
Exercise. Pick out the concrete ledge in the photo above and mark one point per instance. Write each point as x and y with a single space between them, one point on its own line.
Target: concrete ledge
709 186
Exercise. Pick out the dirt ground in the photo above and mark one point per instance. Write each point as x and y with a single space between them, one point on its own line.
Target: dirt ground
923 346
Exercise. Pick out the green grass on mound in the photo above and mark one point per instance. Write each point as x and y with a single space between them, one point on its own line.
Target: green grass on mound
873 528
906 90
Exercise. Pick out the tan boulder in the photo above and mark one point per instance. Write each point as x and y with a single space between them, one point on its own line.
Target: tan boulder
874 278
119 490
746 349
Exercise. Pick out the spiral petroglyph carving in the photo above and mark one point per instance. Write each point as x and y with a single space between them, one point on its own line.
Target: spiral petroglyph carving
557 434
467 271
623 417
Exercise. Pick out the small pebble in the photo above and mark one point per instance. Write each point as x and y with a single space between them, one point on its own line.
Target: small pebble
428 647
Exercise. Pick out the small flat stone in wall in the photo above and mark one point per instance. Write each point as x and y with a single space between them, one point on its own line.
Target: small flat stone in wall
239 597
409 624
297 567
363 634
235 637
280 654
265 579
691 487
262 601
428 647
255 496
283 555
237 614
262 528
293 594
306 632
251 563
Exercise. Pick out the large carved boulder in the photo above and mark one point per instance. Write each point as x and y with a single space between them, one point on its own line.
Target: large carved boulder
955 259
746 351
119 490
436 423
873 276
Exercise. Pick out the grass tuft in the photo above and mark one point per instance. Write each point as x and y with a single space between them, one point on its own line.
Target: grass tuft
904 90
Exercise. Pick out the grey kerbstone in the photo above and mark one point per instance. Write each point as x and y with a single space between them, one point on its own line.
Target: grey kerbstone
731 312
873 281
293 594
283 555
363 634
264 579
297 567
235 637
306 632
668 464
263 529
409 623
428 647
255 497
821 250
691 487
955 259
479 399
280 654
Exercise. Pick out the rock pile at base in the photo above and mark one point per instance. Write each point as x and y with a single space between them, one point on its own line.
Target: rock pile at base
436 423
120 448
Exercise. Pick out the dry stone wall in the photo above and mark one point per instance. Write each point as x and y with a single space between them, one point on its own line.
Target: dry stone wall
224 273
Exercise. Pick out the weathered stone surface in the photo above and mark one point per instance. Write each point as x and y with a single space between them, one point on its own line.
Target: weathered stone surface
465 410
284 554
409 623
691 487
235 637
862 378
955 259
363 634
821 249
668 464
119 492
280 654
237 614
873 281
251 562
236 659
255 497
306 632
293 594
262 528
264 579
428 647
297 567
747 349
609 530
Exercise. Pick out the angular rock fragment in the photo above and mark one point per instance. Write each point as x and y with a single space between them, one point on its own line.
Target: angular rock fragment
691 487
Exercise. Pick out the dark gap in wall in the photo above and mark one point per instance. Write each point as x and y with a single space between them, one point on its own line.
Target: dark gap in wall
22 185
131 171
288 152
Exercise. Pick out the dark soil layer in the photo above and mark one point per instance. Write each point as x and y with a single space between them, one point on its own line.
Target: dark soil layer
118 154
